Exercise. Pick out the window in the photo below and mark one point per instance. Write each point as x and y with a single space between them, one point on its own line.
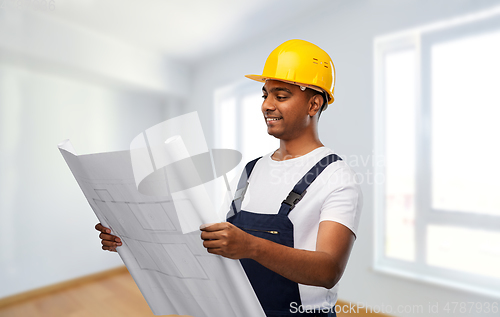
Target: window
240 125
437 110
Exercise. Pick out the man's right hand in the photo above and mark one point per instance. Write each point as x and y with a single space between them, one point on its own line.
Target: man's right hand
109 242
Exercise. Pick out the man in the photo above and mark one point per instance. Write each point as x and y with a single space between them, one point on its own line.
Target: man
293 251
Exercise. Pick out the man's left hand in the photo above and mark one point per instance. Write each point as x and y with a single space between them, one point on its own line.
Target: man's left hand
227 240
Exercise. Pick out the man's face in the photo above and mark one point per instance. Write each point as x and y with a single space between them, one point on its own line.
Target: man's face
285 108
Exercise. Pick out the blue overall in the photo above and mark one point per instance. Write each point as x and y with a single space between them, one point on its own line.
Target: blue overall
275 292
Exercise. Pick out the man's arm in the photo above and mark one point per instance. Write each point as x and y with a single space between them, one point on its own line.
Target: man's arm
322 267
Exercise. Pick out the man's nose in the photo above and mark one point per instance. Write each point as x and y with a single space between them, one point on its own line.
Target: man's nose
268 105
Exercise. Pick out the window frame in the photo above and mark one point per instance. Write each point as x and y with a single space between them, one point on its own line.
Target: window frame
421 40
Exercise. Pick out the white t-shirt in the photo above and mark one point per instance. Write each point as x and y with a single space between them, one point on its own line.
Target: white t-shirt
334 196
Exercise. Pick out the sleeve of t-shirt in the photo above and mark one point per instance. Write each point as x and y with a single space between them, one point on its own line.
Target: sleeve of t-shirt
343 200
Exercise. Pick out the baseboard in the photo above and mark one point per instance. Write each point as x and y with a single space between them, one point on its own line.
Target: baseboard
17 298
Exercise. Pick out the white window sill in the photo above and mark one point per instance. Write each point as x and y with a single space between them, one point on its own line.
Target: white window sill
436 281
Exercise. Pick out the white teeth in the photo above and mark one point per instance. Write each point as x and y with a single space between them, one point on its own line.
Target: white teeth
273 119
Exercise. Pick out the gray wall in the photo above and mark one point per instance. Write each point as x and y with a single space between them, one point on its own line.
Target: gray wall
60 82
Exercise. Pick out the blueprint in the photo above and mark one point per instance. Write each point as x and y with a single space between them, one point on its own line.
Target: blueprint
162 252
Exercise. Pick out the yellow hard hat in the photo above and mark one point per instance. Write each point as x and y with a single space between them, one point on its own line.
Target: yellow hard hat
301 63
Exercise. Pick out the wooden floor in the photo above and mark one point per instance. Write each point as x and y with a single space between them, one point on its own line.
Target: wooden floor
116 295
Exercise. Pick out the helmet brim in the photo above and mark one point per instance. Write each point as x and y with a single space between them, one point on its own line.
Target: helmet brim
261 79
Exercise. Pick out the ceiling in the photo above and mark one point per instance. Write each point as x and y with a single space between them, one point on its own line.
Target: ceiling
182 29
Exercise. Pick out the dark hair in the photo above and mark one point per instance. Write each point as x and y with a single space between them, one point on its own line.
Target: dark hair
325 104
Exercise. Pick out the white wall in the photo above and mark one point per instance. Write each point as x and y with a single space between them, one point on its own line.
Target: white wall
58 82
62 46
345 29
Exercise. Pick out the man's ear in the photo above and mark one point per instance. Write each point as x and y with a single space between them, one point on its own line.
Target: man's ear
315 104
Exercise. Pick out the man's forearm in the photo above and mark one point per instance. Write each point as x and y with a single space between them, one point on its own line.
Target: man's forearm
316 268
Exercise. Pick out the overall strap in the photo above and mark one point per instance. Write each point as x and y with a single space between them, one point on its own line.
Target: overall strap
242 187
299 190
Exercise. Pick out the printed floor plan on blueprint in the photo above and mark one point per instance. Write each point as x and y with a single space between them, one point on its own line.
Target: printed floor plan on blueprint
168 262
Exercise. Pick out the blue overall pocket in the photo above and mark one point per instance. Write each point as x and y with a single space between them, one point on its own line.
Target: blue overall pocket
275 292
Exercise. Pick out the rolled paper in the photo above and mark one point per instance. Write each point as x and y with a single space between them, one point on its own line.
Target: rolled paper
193 205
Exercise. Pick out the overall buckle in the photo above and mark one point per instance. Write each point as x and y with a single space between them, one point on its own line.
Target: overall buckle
293 198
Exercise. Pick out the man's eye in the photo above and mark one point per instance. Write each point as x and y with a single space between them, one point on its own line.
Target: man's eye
280 97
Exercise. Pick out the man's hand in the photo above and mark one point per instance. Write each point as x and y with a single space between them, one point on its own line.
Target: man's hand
227 240
109 241
322 267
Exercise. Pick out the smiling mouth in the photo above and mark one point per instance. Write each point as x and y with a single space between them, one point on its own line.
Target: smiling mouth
272 119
